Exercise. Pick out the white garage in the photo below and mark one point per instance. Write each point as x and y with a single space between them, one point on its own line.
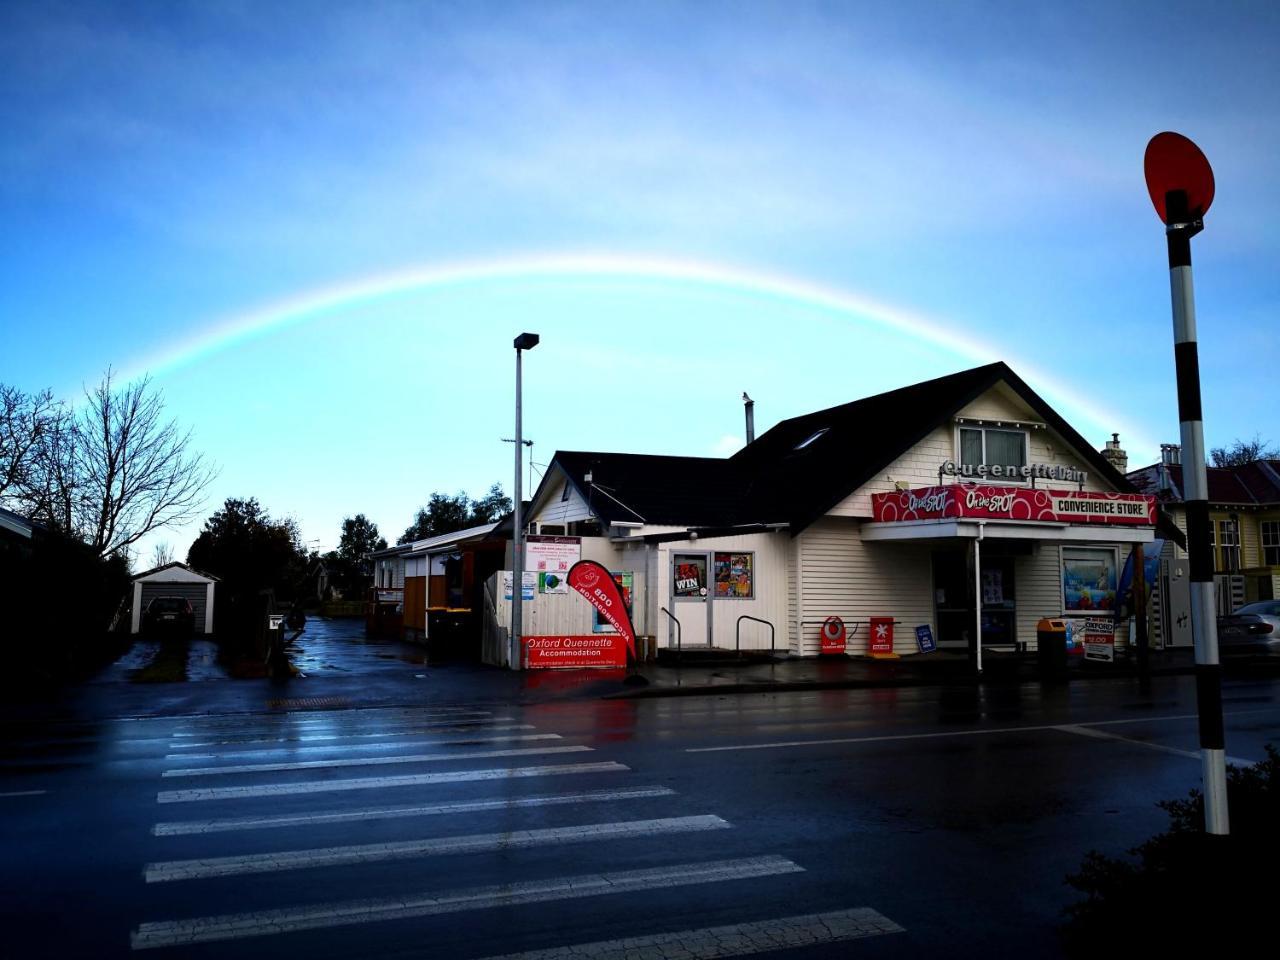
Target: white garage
175 580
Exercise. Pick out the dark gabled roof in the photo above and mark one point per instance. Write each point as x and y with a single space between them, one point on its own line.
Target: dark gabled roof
642 488
1253 484
770 481
863 437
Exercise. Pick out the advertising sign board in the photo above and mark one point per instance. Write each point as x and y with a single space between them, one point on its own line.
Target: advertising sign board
1099 640
924 639
576 652
1014 503
881 636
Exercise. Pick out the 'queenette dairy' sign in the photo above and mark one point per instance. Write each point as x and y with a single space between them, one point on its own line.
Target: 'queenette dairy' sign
1014 503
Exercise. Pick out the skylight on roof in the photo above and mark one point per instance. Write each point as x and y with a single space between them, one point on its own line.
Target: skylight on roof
805 443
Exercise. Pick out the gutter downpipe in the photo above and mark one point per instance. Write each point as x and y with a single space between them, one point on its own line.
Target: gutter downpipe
977 592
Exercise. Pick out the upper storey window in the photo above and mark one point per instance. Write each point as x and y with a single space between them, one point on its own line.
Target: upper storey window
991 446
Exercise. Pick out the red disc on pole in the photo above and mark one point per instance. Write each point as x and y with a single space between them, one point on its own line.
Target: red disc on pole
1173 162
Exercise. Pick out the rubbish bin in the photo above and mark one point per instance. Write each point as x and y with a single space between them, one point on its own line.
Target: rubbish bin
1051 647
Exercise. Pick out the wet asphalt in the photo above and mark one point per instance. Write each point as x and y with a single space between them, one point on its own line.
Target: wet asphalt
382 806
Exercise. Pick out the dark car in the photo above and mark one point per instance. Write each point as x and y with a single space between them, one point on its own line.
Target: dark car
1252 631
169 615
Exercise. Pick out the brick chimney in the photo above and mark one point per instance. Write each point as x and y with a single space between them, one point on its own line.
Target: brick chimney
1114 455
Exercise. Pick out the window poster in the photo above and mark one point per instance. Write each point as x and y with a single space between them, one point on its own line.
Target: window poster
992 587
691 576
734 575
626 586
1088 580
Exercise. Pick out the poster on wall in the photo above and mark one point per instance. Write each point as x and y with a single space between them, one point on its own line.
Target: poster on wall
690 576
992 587
1088 579
734 575
553 582
625 581
545 554
529 581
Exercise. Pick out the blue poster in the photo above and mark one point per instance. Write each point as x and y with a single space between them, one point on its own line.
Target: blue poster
924 639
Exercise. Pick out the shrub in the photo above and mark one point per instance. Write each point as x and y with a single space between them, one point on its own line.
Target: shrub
1186 889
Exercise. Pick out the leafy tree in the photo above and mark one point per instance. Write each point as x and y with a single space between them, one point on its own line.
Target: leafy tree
445 514
1242 452
442 514
490 508
249 551
108 472
359 537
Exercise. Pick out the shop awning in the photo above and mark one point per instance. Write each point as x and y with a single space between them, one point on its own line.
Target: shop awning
966 529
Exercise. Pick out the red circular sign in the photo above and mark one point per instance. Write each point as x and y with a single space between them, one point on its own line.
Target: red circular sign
1173 162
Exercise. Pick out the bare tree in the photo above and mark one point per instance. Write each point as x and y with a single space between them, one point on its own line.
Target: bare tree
1242 452
161 555
26 420
134 471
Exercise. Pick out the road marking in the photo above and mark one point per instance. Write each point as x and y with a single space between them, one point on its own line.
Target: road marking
24 793
733 940
370 761
179 828
344 913
989 731
1103 735
469 742
340 722
377 783
434 847
440 728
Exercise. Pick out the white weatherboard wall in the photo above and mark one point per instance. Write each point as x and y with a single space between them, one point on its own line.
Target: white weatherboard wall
840 576
772 564
918 467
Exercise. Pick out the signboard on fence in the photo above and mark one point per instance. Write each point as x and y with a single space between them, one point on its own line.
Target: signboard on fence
564 652
1099 640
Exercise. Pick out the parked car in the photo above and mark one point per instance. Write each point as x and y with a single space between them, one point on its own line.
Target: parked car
1252 631
169 615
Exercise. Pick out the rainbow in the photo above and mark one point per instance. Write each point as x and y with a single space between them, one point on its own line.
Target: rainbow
293 311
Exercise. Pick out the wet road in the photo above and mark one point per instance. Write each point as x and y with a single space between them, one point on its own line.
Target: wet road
862 823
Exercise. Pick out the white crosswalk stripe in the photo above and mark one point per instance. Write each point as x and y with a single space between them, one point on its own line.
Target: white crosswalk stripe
380 783
181 827
370 761
321 915
436 846
470 740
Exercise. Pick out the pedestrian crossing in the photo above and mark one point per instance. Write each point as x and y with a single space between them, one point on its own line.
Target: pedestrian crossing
271 815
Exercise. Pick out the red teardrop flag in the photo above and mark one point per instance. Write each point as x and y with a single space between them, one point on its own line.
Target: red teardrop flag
596 583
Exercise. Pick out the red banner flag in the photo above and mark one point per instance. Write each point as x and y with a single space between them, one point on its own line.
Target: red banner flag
596 583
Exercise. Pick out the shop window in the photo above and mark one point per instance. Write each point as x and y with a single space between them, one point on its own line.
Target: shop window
735 575
690 576
1088 579
990 446
1229 541
1271 543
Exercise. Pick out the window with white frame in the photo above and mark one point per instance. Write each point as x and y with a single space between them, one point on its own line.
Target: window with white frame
1229 541
993 445
1271 542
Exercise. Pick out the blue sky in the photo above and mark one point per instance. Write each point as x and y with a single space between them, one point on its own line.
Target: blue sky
169 170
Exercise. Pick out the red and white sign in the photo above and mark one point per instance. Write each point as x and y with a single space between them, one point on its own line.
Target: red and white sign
596 583
881 642
1099 640
595 650
1014 503
833 635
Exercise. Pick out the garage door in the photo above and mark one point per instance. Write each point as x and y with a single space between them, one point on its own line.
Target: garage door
192 592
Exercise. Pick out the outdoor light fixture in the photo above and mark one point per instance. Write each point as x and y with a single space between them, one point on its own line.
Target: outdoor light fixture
526 341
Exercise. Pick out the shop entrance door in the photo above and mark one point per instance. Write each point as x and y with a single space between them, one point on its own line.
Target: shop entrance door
955 600
690 599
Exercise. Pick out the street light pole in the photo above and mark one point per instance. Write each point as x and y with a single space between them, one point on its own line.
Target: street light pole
526 341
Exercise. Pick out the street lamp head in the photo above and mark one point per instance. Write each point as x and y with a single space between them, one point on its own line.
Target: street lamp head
526 341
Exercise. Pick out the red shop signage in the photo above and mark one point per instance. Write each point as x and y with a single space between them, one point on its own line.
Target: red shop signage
1014 503
594 650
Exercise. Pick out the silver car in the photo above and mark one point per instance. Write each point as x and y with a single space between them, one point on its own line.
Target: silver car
1252 631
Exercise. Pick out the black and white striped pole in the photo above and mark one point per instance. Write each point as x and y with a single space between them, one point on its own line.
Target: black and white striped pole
1180 182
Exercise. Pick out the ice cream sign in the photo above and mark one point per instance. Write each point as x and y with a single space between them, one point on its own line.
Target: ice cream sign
1013 503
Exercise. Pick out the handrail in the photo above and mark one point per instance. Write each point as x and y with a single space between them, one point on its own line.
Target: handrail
737 633
679 647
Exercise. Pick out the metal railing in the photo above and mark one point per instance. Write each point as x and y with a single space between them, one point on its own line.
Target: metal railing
679 648
737 634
